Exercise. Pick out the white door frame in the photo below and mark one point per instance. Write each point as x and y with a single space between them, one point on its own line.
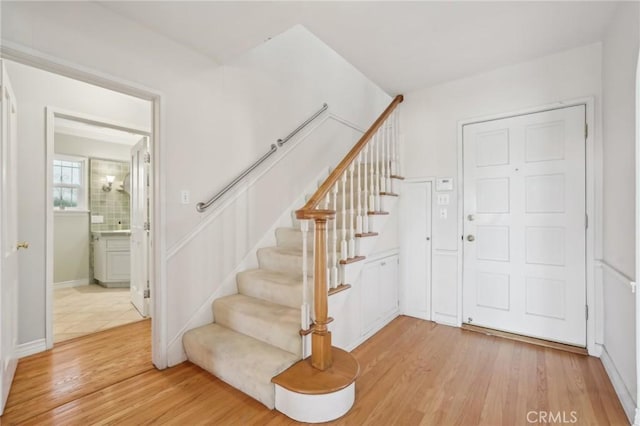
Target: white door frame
158 268
593 208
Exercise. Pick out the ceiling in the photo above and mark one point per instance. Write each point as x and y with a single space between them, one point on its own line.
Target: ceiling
402 46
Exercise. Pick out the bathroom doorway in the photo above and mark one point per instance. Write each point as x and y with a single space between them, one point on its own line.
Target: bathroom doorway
100 197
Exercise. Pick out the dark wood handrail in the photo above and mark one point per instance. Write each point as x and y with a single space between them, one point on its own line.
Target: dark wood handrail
308 211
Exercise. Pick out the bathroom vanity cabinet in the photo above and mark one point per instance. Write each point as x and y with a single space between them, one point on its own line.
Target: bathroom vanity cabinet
112 258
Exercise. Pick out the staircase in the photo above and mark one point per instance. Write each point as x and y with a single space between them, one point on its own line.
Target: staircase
267 327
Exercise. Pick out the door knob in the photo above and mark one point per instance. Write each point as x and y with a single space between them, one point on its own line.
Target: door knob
470 238
471 218
22 245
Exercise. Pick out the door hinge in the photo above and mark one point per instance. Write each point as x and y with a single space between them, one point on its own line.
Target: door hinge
586 130
147 226
147 157
586 221
586 311
147 293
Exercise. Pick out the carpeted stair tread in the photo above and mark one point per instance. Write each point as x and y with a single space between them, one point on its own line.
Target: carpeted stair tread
241 361
273 286
277 325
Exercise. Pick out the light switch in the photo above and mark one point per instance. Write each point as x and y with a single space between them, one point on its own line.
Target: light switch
443 199
184 196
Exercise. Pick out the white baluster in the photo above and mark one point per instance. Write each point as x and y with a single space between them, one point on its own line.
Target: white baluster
344 248
393 148
387 158
398 171
372 177
352 236
377 168
383 162
365 216
359 196
334 240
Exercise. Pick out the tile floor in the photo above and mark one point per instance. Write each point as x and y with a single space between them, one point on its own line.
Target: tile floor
89 308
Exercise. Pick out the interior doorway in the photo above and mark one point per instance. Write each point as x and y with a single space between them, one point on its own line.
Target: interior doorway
100 214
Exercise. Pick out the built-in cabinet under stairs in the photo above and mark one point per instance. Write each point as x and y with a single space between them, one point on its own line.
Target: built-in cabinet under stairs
279 315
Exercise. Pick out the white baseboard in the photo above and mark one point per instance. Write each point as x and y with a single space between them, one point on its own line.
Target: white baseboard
625 397
30 348
637 421
72 283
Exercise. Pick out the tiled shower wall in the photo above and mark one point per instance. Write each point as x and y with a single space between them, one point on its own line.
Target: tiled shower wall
113 206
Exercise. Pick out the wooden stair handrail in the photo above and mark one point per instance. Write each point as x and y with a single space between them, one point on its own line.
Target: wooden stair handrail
308 211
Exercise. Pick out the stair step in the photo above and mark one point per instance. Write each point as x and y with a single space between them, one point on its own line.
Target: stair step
284 259
245 363
276 287
269 322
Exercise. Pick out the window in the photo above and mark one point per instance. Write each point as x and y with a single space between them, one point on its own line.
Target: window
69 183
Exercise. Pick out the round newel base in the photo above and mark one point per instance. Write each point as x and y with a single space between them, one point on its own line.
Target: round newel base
309 395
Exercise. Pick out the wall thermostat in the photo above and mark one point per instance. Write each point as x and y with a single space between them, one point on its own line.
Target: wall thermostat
444 184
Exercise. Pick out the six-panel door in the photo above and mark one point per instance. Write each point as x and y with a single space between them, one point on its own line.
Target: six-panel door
524 225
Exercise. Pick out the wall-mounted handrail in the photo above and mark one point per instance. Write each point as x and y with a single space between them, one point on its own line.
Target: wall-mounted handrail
303 125
202 206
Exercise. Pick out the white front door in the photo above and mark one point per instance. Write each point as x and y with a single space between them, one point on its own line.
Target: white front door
139 191
9 238
415 228
524 225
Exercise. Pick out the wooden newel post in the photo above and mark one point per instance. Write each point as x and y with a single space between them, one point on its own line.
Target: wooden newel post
321 337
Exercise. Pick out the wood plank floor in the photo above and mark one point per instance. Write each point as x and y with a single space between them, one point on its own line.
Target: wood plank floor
412 372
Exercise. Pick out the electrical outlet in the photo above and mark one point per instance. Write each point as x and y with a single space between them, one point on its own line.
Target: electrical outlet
184 196
443 213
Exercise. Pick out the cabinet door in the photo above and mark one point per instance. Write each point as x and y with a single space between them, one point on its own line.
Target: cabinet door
370 295
118 265
388 277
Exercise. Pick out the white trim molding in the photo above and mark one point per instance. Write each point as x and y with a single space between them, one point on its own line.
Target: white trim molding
30 348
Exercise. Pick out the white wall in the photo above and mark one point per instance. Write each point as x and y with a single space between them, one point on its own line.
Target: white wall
34 91
86 147
619 61
429 120
71 245
215 120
